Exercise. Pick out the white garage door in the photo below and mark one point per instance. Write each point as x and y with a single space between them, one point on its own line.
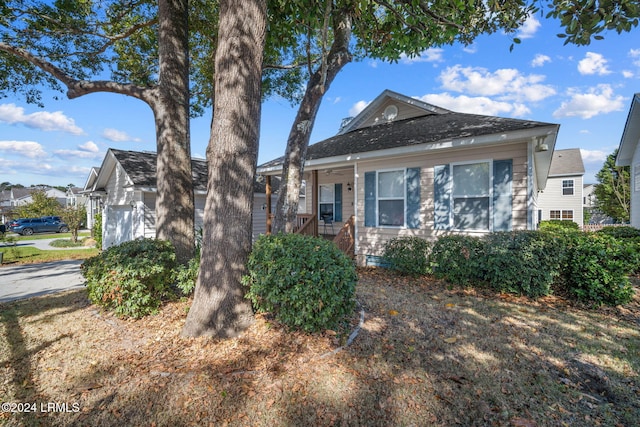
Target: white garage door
118 226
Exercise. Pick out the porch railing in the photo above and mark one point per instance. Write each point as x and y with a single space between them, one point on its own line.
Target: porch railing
307 224
346 239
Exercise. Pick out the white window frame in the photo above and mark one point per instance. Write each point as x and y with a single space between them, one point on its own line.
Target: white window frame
404 198
489 196
562 213
332 188
567 187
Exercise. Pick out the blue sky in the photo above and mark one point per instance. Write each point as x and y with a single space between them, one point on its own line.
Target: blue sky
587 90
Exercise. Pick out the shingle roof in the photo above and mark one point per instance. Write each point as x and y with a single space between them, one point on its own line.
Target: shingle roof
430 128
141 169
566 162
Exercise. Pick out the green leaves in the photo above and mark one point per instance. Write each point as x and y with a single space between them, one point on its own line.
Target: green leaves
131 279
306 282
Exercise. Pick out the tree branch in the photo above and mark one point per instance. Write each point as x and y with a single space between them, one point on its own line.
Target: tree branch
75 87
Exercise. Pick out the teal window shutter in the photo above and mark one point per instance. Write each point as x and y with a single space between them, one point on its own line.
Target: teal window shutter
337 215
502 195
370 199
413 197
441 197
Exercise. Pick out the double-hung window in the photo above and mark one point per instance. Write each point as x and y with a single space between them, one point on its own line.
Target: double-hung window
471 195
391 196
567 187
327 201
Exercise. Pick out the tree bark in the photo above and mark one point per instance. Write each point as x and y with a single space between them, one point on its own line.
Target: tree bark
175 204
219 308
295 156
169 101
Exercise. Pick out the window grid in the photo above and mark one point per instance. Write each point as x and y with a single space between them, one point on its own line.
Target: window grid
567 187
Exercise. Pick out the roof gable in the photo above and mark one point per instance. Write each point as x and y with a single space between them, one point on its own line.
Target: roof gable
566 162
140 169
630 135
390 106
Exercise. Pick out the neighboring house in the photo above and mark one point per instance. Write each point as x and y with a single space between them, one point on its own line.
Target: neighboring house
22 196
124 188
562 199
629 155
403 167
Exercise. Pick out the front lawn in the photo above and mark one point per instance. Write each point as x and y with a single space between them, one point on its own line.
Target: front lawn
427 353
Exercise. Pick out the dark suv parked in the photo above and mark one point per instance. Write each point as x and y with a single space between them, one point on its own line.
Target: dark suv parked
28 226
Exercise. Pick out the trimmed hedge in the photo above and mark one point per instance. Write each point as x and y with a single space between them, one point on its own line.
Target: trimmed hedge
598 268
522 262
133 278
408 255
456 259
305 282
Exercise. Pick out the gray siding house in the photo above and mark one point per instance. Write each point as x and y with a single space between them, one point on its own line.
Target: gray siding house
629 155
403 167
124 190
562 199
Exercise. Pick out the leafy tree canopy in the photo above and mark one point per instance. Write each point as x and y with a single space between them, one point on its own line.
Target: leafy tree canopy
613 192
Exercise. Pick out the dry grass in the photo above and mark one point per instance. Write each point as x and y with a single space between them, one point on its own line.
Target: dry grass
427 354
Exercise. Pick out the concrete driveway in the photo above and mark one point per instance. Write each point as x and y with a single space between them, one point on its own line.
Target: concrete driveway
30 280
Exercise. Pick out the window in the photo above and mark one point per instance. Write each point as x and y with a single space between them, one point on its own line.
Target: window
302 201
567 187
391 198
327 201
471 195
564 215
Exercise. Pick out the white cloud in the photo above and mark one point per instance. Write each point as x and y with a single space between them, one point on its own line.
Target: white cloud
430 55
472 48
358 107
627 74
89 146
475 105
597 100
28 149
43 120
593 63
508 84
74 154
118 135
529 28
593 156
635 54
539 60
373 64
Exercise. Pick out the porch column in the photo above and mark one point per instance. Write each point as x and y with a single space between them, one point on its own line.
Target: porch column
314 199
268 203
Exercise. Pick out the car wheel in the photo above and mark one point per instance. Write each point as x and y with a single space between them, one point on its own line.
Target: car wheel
63 230
27 232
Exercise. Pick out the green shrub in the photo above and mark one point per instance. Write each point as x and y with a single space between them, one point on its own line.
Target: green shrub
620 232
598 269
97 230
630 237
186 276
133 278
408 255
522 262
306 282
456 258
556 224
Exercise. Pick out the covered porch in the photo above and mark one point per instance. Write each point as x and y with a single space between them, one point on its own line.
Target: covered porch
326 205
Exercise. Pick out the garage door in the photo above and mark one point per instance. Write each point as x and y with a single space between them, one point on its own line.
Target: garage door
118 226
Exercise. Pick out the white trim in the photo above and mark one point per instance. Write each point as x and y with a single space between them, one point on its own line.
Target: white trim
404 198
456 143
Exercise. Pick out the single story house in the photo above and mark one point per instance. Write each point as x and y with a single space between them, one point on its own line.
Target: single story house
124 190
562 199
629 155
403 167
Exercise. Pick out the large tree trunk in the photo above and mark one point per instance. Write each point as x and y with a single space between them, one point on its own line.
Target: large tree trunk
219 308
296 152
175 204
